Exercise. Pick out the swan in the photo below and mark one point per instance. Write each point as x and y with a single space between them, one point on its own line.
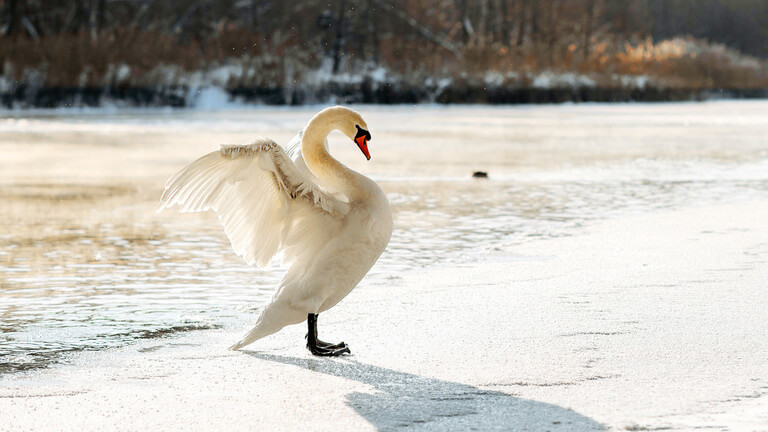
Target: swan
330 223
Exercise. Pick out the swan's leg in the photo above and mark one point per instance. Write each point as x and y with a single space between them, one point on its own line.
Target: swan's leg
312 322
318 347
320 343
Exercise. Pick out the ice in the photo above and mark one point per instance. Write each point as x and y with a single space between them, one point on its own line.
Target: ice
609 273
641 323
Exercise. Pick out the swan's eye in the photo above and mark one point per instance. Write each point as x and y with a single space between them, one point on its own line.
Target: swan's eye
362 133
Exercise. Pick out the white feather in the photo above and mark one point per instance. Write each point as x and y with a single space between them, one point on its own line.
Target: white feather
260 196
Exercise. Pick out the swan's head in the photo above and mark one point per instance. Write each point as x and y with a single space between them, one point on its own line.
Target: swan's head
362 136
352 125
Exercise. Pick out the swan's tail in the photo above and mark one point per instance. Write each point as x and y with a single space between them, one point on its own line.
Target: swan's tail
274 317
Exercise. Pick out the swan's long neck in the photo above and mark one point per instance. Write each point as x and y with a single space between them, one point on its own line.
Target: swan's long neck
329 171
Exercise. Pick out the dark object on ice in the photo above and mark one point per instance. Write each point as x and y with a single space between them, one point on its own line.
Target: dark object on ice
480 174
320 348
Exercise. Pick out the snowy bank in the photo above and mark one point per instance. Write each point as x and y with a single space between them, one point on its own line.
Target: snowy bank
241 82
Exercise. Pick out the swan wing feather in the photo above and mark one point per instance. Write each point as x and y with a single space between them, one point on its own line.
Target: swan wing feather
264 201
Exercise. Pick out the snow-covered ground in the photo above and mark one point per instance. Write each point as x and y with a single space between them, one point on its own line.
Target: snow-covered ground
611 273
640 323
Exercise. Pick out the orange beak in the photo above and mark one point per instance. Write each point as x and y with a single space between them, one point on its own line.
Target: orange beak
361 139
363 144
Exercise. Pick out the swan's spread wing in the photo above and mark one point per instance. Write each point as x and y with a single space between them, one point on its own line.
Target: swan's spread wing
265 203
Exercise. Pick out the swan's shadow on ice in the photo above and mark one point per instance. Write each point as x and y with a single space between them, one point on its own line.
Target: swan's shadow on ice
403 400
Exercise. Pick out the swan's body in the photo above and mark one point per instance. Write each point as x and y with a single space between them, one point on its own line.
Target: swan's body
330 222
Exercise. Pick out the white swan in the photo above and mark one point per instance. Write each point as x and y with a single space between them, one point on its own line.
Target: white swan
330 222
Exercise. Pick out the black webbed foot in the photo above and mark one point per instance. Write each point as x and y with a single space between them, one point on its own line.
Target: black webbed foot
322 344
328 352
320 348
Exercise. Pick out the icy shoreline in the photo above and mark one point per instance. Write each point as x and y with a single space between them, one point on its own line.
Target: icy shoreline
640 322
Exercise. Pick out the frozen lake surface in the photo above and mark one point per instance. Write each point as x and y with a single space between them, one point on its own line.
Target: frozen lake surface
86 264
610 272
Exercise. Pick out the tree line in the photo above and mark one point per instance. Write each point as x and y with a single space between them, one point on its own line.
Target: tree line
362 25
77 41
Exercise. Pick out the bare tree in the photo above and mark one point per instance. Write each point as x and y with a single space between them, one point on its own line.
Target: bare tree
466 25
521 14
14 17
590 14
506 32
339 39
